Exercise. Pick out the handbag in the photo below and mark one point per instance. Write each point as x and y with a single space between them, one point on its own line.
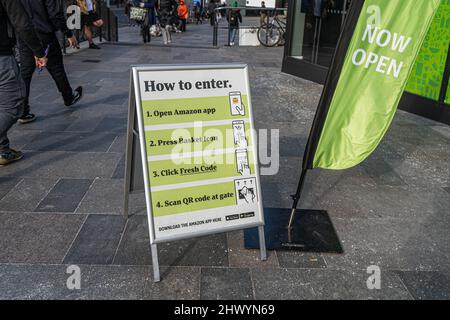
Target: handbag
138 14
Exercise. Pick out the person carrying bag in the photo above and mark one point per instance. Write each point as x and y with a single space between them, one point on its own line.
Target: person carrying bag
143 12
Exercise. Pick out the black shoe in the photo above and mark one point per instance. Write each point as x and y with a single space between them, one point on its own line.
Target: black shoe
77 95
27 119
94 46
10 156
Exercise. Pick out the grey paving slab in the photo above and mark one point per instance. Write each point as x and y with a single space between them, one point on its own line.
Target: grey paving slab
49 282
425 285
226 284
292 259
65 196
239 257
119 145
292 146
75 142
19 137
64 165
134 248
271 193
316 284
119 173
37 238
6 184
113 124
57 121
382 173
26 195
104 197
84 124
390 244
97 241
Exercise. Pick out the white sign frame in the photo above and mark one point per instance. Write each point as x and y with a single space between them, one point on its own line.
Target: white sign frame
135 102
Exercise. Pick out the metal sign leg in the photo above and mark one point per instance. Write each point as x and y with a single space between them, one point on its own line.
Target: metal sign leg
262 243
129 151
155 262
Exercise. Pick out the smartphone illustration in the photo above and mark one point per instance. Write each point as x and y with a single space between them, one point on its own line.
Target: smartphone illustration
240 140
242 162
236 105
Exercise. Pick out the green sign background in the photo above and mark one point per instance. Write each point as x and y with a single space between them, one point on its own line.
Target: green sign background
427 75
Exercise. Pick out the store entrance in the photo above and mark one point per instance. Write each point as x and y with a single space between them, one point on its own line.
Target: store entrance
317 25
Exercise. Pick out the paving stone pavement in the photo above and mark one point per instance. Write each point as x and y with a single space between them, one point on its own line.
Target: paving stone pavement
61 205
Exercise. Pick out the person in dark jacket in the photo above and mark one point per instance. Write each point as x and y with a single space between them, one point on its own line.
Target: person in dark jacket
149 20
47 18
12 88
167 13
234 17
212 5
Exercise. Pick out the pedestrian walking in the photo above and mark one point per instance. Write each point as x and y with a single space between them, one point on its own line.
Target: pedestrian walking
212 5
47 18
167 12
12 87
263 14
89 19
234 17
148 18
198 14
183 14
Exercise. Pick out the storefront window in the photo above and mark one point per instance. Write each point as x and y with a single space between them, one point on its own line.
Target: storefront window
317 25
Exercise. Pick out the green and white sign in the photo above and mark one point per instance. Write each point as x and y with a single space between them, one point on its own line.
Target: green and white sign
198 149
357 110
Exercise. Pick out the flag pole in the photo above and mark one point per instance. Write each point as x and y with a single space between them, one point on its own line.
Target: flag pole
296 197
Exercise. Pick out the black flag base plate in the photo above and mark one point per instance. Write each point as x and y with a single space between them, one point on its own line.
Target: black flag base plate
312 231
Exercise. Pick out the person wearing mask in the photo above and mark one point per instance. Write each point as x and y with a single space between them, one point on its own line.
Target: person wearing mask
183 15
47 18
13 17
89 19
234 17
167 11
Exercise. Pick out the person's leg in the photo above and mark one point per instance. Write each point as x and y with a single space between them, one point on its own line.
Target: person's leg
233 35
55 65
169 34
12 91
27 68
88 34
164 34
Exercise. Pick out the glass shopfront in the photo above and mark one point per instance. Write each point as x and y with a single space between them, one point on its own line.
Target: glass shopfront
314 27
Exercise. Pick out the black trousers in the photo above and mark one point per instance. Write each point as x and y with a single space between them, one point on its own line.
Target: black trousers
55 67
183 25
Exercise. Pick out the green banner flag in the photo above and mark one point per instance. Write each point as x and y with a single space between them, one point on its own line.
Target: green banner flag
373 61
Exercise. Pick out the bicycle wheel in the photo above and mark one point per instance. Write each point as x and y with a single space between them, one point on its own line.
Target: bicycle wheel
269 36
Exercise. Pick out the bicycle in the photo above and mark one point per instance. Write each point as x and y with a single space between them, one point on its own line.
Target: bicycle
273 33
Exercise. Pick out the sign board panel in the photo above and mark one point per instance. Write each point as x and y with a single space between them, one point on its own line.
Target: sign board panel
198 149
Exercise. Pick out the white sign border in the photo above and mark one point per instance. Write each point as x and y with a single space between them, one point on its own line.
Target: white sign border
136 69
